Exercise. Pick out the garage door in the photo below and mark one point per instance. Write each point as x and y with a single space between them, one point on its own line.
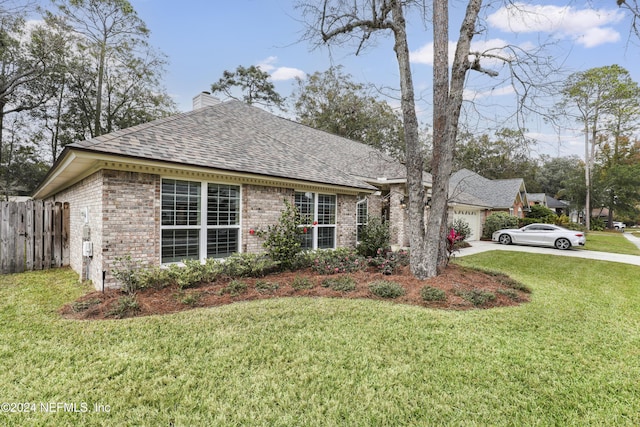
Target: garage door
473 218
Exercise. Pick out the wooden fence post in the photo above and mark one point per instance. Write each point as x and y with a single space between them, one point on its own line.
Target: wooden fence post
66 227
4 237
29 234
38 234
46 233
57 234
20 232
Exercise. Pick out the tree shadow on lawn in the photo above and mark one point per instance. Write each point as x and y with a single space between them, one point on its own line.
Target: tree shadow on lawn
461 288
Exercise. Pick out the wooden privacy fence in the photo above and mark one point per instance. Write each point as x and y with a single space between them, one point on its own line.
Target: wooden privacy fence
34 235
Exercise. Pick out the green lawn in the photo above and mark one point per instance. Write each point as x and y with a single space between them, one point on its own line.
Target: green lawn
610 241
569 357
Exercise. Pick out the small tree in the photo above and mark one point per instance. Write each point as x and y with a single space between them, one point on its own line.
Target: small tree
283 240
374 236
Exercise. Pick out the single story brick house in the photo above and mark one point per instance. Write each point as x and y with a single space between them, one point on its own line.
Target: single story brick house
195 185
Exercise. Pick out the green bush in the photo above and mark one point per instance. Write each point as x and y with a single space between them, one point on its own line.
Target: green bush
248 265
300 283
189 298
388 261
374 236
497 221
125 306
429 293
340 284
235 288
127 272
477 297
597 224
283 240
462 228
266 287
85 305
542 214
386 289
341 260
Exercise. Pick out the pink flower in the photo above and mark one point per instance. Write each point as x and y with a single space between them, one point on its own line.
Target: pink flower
315 222
252 231
304 230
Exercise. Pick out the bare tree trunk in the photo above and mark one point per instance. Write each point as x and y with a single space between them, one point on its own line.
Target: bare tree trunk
447 103
414 154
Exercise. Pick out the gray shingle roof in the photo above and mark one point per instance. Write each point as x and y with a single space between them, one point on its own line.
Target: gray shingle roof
495 193
234 136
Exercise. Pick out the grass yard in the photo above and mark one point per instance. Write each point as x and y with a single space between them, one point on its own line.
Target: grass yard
569 357
609 241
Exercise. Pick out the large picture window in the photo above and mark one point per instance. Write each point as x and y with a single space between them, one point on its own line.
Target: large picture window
199 220
318 212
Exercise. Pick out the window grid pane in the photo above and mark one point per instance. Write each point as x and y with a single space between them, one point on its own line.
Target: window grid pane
222 242
326 237
305 203
362 212
179 245
223 205
180 202
326 209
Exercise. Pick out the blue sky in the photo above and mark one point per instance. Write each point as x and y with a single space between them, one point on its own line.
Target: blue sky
202 38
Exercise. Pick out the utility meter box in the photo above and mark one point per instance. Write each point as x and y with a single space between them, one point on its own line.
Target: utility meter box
87 249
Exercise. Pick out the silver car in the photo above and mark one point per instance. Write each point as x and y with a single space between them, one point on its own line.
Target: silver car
541 235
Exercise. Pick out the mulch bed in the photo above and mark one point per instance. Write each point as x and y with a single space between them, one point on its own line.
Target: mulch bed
454 281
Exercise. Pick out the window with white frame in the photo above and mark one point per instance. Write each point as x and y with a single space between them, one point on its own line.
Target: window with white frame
318 212
199 220
362 215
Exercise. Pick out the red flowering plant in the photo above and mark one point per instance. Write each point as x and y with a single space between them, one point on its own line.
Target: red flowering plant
452 238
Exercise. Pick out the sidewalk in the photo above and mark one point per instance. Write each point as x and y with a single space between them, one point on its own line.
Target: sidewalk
633 239
484 246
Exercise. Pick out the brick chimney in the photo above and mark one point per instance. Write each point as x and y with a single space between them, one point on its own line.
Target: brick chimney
204 99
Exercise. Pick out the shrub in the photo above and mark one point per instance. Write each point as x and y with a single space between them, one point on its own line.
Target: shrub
510 293
374 236
188 298
248 265
155 277
388 261
429 293
333 261
497 221
462 228
85 305
126 271
477 297
597 224
125 306
283 240
235 288
386 289
340 284
266 287
542 214
301 283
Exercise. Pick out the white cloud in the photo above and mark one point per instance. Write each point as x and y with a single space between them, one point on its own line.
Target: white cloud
279 73
589 27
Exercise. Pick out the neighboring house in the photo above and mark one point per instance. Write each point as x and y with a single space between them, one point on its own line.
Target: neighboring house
474 197
560 207
194 185
197 185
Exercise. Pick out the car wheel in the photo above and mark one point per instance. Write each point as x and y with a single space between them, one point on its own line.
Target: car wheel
505 239
563 243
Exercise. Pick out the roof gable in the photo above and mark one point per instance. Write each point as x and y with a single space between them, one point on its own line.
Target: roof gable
496 193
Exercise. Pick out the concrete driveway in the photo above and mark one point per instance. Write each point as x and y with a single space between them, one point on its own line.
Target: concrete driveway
482 246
